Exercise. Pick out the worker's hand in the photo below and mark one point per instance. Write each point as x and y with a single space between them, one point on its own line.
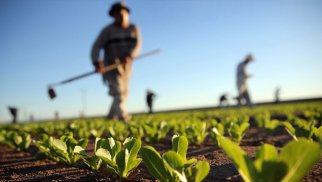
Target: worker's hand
99 66
125 61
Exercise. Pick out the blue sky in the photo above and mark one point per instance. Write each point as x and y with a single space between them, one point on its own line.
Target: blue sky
46 41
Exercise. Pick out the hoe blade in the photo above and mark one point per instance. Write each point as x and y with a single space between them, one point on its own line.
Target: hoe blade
51 93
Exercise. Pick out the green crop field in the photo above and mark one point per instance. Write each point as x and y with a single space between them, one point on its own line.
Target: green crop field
277 142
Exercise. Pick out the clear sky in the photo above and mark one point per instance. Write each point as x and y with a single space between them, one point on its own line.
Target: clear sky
46 41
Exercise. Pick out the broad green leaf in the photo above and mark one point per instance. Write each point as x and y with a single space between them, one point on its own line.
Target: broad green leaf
299 156
121 161
154 164
175 163
134 164
273 124
80 150
17 139
105 155
97 143
59 145
272 171
264 153
27 140
174 160
268 167
115 148
180 145
239 158
201 171
111 142
134 147
220 128
101 143
243 127
127 140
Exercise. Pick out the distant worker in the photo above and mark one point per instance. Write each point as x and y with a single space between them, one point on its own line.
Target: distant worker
277 94
14 113
242 77
121 42
56 115
31 118
149 100
223 100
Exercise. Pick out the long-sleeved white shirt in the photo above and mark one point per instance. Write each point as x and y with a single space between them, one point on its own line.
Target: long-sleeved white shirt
242 77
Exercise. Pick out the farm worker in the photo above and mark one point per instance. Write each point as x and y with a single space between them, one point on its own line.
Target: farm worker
149 100
242 77
14 113
223 100
277 94
121 42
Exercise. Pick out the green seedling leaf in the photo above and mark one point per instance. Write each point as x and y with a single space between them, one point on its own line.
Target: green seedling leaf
299 156
126 159
174 160
58 144
239 158
105 155
154 164
201 171
266 164
80 150
180 145
17 139
175 163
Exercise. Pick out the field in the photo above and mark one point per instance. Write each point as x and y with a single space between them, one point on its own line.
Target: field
238 131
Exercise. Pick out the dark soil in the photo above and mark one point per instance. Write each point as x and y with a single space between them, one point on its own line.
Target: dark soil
25 166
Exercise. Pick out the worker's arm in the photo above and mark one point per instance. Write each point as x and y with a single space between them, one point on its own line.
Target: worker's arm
97 46
138 44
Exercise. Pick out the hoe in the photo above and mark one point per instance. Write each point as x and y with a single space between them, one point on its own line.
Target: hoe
52 93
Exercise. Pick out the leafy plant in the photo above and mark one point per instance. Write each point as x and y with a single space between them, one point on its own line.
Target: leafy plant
136 131
262 118
293 162
64 149
93 162
236 131
117 159
302 129
15 139
173 165
118 131
155 131
97 132
219 128
196 132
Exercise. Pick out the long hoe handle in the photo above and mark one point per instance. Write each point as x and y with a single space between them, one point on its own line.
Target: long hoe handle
106 69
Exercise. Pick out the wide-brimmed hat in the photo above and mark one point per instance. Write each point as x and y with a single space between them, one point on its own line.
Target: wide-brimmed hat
117 7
